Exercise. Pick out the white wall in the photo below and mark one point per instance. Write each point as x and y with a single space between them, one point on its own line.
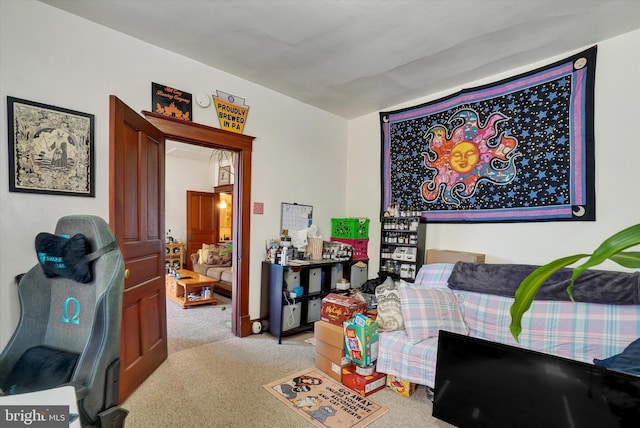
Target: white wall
617 153
184 172
56 58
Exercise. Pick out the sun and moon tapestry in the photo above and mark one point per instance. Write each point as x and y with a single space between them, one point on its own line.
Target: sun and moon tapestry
520 149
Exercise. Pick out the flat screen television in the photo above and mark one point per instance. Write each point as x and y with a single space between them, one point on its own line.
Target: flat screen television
486 384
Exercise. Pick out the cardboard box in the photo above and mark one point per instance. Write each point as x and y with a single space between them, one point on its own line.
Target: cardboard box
337 308
400 386
363 385
329 333
361 340
332 353
446 256
330 368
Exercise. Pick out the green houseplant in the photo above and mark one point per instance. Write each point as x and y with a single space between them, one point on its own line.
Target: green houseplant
613 248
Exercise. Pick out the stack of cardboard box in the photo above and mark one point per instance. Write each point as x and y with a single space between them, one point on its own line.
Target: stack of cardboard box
330 356
349 361
330 352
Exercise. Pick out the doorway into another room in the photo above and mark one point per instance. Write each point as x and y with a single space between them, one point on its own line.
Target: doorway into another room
198 214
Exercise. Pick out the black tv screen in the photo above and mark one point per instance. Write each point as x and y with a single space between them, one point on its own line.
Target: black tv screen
486 384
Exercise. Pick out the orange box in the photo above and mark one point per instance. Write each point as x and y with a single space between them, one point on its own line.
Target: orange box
337 308
400 386
328 333
330 368
363 385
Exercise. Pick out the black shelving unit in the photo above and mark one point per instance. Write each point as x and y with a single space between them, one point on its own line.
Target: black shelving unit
291 315
402 247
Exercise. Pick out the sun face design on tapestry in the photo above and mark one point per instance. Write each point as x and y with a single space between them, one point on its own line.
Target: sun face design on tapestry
457 161
519 149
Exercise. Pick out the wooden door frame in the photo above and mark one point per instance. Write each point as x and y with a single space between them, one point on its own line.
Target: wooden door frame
214 138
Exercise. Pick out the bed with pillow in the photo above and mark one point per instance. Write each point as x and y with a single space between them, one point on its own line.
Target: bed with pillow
214 261
584 331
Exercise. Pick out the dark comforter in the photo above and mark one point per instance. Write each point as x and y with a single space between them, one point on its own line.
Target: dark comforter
593 286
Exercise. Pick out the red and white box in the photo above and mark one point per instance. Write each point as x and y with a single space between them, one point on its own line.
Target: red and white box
363 385
337 308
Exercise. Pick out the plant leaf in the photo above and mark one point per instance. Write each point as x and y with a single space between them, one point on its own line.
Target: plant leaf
612 248
629 260
528 288
613 245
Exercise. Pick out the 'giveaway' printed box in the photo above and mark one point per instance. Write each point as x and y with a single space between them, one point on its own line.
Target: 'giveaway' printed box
361 340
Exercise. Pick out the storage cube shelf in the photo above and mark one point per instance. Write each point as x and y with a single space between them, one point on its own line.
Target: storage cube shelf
350 228
174 256
290 315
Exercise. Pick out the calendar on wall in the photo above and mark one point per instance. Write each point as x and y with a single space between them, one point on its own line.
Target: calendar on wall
295 217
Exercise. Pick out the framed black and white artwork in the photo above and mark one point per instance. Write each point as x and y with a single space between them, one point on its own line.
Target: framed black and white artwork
50 149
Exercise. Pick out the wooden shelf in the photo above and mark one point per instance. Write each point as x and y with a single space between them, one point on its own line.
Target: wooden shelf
174 256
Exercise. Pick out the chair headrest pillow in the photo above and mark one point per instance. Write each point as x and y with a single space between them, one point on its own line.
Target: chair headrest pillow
68 257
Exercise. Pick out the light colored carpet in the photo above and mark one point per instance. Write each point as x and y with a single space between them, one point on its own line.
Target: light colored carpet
219 383
197 325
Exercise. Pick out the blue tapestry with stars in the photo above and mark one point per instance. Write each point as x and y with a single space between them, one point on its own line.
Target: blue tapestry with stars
520 149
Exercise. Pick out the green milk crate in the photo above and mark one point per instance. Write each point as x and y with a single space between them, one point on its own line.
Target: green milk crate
350 228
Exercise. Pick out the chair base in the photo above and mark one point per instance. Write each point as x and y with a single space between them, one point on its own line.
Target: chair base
113 417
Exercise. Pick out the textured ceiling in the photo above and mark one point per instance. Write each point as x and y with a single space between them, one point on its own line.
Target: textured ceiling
356 57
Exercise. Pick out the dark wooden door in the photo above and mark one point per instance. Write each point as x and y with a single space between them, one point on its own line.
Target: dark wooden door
136 216
200 221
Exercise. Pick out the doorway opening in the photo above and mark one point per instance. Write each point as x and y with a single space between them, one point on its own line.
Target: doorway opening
214 138
192 180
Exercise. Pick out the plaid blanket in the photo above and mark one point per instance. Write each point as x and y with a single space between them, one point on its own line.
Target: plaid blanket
580 331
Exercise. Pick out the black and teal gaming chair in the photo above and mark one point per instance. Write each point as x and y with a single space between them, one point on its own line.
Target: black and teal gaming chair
69 329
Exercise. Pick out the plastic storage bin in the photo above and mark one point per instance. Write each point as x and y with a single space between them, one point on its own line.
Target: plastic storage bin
360 247
313 309
350 228
315 280
292 278
291 316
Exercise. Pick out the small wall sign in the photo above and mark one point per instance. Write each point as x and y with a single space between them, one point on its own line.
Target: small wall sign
232 111
171 102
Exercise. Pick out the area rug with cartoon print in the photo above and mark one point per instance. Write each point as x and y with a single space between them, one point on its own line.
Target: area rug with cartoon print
325 402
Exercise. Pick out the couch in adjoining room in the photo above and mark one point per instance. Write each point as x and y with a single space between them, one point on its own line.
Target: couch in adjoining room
214 261
474 299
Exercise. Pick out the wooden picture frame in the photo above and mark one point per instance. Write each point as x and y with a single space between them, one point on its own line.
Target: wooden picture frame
224 175
50 149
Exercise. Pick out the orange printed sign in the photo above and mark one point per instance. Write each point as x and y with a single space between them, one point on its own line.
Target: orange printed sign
171 101
232 112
